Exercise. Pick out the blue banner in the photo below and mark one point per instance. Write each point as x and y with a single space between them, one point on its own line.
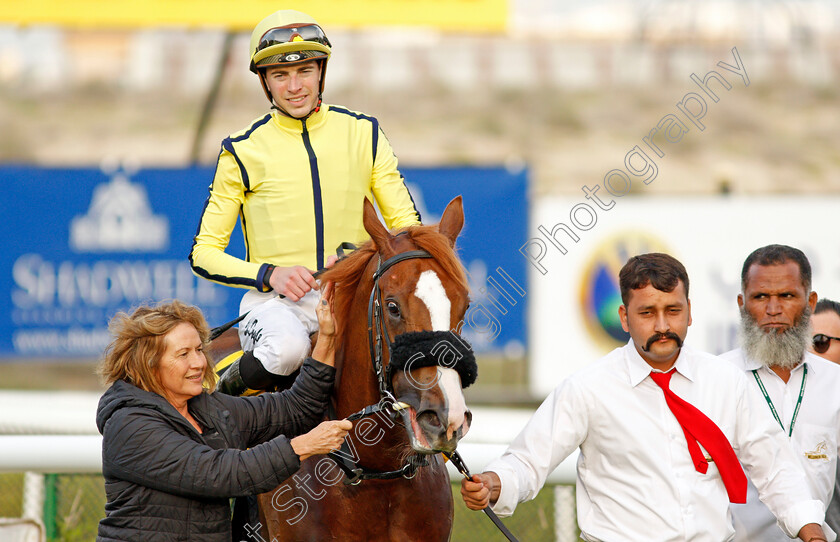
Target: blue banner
80 245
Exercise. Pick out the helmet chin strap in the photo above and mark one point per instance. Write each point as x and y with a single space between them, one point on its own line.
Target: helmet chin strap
286 113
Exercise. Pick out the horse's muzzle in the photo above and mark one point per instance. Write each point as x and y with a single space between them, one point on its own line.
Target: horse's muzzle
442 435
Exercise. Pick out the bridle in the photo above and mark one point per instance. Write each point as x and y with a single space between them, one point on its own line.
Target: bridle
376 326
377 332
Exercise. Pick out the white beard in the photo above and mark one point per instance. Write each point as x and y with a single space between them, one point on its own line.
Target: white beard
773 349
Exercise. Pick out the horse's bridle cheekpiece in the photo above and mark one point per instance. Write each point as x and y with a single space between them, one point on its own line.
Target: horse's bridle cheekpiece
409 347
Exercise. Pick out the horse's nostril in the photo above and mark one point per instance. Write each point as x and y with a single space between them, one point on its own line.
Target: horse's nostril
468 417
430 419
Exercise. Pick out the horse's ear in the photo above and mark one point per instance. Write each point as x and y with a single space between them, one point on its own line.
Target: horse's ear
380 236
452 220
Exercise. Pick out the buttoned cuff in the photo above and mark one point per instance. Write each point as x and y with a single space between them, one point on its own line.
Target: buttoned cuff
799 515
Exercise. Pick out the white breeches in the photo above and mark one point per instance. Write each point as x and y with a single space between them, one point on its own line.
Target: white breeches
277 330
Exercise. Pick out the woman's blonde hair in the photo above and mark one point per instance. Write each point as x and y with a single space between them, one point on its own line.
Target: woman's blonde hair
135 352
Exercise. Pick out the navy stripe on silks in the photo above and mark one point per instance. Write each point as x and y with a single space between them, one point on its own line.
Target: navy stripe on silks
200 271
253 127
352 113
373 121
375 146
260 284
227 144
222 279
198 229
419 218
316 198
206 203
245 233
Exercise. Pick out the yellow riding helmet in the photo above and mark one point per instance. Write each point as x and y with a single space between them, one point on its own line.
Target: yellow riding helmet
288 37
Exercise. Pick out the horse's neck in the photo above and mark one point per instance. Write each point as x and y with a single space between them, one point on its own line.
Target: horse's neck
357 385
355 390
381 447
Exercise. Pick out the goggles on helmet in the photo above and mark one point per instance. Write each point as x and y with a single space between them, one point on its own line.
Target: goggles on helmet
291 34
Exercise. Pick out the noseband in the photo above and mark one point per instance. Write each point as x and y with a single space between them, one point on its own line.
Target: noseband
409 349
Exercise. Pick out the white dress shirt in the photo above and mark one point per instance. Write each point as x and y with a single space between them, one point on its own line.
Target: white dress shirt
635 477
815 439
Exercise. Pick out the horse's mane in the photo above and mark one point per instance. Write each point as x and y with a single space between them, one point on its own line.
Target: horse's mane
349 272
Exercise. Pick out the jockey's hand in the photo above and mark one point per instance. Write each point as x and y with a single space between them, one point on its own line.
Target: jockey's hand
482 489
331 259
327 436
292 282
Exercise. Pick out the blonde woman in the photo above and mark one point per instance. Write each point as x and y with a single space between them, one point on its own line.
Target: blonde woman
174 452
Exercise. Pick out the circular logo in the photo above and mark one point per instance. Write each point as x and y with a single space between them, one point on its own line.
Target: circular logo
600 294
291 57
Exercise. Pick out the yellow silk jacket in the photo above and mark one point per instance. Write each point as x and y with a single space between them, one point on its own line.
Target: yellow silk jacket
298 187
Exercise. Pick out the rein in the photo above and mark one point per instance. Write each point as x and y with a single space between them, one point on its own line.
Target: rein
459 464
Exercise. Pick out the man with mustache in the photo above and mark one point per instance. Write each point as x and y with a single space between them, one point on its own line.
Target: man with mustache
654 421
800 390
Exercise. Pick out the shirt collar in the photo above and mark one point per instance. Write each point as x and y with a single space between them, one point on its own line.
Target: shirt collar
312 121
638 368
751 364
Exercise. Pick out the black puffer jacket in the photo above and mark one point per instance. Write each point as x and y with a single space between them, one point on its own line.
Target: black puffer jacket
166 482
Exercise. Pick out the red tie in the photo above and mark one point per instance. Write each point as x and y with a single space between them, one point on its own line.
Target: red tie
698 427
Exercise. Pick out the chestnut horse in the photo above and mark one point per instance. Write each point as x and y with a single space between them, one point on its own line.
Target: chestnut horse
393 485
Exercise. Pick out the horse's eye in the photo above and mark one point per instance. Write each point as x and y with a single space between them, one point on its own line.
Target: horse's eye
393 309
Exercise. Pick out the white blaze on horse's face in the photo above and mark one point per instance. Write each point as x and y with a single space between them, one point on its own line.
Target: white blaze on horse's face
430 291
450 384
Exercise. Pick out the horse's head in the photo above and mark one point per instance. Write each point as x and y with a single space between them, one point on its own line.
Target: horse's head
400 302
422 300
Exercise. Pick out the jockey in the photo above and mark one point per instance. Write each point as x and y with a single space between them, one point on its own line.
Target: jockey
296 178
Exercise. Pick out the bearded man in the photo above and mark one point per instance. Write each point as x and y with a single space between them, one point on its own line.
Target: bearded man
799 388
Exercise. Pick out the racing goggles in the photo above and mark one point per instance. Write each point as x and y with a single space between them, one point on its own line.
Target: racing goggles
822 342
291 34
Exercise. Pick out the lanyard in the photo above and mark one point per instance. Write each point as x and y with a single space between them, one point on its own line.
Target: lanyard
770 403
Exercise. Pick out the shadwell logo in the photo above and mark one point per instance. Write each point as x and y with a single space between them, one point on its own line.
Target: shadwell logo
119 219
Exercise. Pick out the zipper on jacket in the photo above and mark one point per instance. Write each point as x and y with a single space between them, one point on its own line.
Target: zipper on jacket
316 197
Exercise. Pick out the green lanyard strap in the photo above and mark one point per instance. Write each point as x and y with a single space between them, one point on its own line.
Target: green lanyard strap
773 408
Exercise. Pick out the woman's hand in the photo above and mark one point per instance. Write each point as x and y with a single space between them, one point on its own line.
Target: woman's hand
324 350
327 436
326 318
